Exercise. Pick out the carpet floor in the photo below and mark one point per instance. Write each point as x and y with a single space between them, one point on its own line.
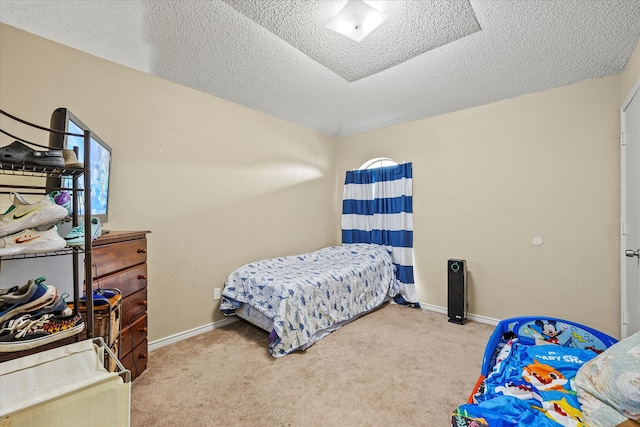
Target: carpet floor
396 366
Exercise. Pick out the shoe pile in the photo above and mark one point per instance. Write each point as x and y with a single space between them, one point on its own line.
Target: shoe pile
21 154
33 314
29 228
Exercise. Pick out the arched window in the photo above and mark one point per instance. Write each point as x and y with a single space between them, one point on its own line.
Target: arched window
378 162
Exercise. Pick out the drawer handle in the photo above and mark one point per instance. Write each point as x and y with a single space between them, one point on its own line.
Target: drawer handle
143 329
143 302
142 356
142 276
142 251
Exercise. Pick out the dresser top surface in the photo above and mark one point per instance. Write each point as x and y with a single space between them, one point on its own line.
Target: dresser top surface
119 236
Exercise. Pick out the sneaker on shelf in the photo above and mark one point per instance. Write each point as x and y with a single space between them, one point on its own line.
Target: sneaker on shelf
76 235
27 332
63 199
17 294
22 214
43 296
32 241
58 307
71 160
19 153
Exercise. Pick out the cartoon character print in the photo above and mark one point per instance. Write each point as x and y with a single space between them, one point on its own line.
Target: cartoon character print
562 412
549 331
521 391
544 377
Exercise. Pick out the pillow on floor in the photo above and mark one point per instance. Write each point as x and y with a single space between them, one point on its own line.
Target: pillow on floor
608 386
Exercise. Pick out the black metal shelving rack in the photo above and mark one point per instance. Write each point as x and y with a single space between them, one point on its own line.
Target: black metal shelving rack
76 252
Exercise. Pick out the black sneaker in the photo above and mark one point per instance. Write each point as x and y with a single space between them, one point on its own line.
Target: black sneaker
19 153
27 332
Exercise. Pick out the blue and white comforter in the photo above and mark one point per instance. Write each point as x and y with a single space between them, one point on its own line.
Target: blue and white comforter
307 293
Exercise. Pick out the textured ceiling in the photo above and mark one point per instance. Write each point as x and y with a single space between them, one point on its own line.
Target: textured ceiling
275 56
413 28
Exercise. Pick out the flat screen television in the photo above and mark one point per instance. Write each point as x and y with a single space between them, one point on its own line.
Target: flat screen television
99 162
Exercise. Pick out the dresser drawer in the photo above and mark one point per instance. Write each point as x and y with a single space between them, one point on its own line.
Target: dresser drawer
134 306
136 361
132 336
128 281
118 256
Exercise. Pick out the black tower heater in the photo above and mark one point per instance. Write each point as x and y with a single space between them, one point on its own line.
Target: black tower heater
457 275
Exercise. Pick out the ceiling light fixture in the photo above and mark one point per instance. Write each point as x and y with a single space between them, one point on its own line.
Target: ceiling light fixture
357 20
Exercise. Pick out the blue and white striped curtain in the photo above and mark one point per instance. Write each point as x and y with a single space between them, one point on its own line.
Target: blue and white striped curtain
377 208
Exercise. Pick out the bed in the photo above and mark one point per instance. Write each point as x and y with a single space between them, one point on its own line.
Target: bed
300 299
547 372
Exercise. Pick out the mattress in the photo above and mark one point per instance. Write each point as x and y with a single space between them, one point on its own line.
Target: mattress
300 298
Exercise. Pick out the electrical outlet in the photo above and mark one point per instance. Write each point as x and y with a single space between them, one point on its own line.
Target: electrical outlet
216 294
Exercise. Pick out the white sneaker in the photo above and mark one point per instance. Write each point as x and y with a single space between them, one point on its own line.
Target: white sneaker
22 214
31 241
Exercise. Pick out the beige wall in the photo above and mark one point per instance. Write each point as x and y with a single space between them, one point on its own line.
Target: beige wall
219 185
489 179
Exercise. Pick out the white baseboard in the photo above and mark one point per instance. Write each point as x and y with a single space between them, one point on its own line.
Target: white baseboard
190 333
475 317
226 321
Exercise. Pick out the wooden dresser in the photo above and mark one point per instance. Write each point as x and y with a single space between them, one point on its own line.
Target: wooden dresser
120 262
